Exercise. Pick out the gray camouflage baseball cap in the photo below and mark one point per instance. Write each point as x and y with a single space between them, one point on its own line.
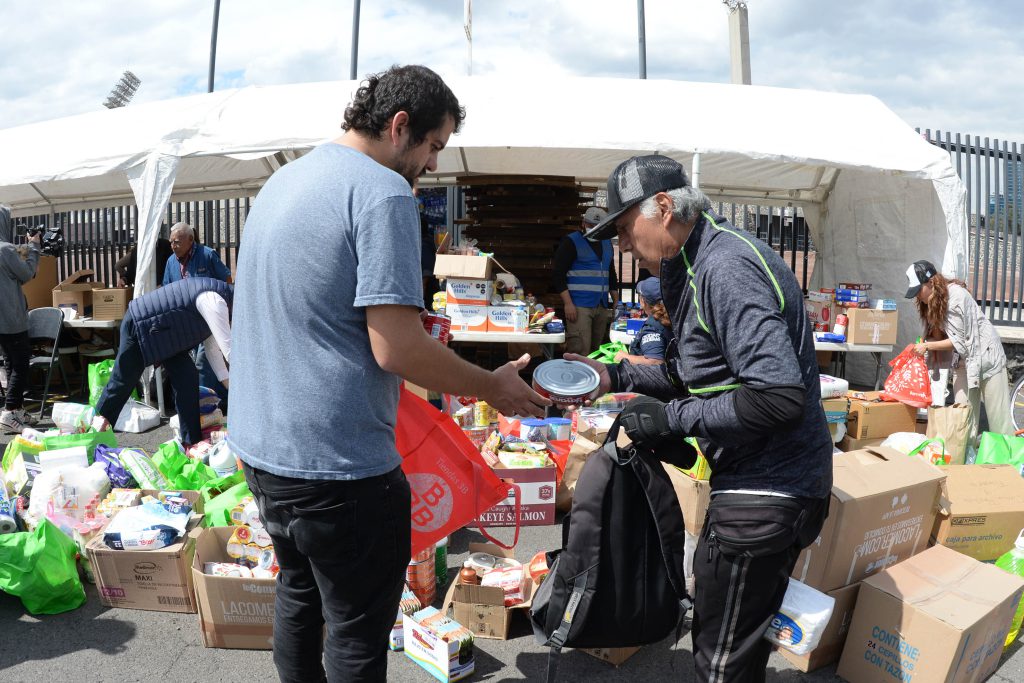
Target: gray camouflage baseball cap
633 181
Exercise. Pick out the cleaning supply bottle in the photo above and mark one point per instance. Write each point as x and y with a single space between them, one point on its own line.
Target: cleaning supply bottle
1013 562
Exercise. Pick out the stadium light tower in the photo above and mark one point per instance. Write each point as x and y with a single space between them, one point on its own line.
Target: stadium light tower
739 41
123 91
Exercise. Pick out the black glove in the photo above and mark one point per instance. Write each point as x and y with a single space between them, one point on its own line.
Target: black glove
645 421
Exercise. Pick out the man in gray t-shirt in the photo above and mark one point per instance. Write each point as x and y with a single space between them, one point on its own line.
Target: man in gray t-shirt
326 325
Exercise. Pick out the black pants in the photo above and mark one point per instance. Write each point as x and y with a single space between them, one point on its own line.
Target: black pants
740 585
128 367
17 352
343 547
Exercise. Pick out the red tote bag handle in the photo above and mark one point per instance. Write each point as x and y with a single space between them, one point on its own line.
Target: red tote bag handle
517 495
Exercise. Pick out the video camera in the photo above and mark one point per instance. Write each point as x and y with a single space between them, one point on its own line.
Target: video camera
52 242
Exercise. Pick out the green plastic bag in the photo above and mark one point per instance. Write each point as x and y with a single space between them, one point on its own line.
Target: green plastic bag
182 472
17 446
999 449
88 439
606 352
39 567
218 510
99 375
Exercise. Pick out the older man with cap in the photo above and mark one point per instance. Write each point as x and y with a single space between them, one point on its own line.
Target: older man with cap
583 275
742 378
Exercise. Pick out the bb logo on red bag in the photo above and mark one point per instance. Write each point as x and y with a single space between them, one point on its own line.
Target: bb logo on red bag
431 502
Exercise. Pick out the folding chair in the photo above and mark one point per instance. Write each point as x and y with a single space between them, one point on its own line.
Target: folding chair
46 324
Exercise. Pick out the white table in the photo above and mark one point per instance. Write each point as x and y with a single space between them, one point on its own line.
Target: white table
548 342
89 322
876 351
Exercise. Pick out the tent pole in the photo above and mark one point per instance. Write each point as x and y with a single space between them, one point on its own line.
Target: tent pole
695 171
354 62
642 37
213 44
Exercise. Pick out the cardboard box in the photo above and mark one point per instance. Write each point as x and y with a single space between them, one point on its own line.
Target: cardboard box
536 502
445 661
694 497
39 290
457 265
830 647
939 616
233 612
836 412
872 418
507 319
482 609
613 655
984 511
467 318
868 326
819 310
846 444
158 580
882 511
73 292
110 304
467 292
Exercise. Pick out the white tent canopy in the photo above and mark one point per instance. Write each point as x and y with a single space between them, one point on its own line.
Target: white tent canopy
875 194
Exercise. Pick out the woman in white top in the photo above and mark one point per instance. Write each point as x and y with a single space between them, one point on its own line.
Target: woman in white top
959 335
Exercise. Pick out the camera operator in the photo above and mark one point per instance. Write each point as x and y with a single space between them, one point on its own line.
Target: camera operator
14 272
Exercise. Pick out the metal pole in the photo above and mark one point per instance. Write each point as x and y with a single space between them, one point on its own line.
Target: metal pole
642 34
213 44
739 44
355 40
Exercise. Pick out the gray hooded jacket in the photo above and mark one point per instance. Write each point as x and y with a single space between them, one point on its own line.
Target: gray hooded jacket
14 272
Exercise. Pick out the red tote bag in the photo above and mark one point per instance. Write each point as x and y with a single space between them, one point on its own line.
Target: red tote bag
908 382
450 482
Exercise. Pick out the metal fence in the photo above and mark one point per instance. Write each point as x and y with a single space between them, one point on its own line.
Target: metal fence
993 172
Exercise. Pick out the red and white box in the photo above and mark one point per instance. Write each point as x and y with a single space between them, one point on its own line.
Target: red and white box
537 498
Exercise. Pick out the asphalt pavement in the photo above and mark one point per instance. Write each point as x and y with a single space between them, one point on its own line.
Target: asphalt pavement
97 643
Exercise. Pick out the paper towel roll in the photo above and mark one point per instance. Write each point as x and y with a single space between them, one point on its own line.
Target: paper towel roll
7 524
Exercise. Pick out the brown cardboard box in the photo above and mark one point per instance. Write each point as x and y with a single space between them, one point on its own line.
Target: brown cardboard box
985 510
39 290
830 647
74 292
455 265
158 580
882 511
939 616
110 304
482 609
613 655
233 612
872 418
694 496
868 326
846 444
536 502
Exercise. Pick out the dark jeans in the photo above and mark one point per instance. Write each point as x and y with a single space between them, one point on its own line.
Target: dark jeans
208 378
128 370
737 594
343 547
17 351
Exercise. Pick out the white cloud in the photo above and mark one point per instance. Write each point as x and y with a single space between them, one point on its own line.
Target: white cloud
951 66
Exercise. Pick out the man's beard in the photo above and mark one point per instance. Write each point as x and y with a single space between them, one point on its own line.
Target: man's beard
408 168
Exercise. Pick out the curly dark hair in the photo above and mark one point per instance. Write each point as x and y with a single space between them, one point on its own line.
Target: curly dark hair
414 89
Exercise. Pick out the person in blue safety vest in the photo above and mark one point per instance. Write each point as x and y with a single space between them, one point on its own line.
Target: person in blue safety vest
583 275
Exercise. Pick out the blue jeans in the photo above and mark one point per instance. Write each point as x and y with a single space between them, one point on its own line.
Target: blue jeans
343 547
208 378
128 370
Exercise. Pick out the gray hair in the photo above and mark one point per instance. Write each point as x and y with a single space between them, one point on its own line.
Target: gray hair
687 204
183 228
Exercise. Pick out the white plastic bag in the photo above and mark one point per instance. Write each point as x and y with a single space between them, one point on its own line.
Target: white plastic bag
72 418
137 417
801 619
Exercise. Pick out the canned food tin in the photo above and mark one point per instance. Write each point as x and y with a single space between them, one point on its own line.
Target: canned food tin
438 326
566 382
841 322
483 414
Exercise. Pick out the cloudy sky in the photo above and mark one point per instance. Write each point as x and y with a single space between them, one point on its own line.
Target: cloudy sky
954 65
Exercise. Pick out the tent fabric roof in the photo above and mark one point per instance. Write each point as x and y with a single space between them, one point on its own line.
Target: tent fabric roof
757 144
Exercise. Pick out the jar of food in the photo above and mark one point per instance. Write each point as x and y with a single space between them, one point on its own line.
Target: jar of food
469 576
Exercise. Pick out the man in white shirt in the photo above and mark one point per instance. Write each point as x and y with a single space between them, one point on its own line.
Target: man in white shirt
162 327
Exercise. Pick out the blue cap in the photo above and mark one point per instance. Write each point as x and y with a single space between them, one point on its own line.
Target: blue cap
650 290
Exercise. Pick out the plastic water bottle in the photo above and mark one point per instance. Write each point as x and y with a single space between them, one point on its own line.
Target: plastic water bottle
1013 562
441 561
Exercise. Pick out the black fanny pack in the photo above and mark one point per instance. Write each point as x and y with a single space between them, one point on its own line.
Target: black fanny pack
755 525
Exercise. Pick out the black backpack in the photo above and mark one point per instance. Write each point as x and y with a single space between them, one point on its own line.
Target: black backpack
618 581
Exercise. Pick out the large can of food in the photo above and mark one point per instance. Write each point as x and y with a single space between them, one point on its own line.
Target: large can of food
421 575
438 326
483 414
566 382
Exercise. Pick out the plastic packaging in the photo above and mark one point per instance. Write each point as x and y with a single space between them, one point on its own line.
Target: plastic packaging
510 580
60 458
1012 562
142 469
83 489
833 387
8 523
73 417
441 561
801 619
222 460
